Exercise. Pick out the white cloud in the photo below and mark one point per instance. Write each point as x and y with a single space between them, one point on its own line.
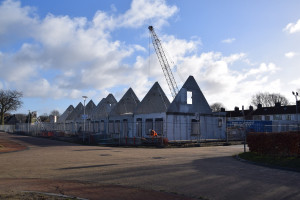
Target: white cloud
142 11
292 27
290 54
16 21
113 8
221 83
228 40
295 82
71 56
139 48
77 53
271 68
235 57
75 94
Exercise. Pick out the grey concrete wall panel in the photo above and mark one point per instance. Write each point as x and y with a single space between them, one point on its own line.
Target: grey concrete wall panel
180 128
145 133
155 101
126 105
180 103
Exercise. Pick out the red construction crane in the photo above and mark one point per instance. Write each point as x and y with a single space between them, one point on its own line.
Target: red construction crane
164 62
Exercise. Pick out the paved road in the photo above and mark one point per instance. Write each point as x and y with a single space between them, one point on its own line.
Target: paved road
208 172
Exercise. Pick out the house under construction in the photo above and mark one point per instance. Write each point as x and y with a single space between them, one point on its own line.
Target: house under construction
131 121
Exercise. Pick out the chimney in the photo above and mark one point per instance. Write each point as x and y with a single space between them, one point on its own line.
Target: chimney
277 104
251 108
259 106
236 109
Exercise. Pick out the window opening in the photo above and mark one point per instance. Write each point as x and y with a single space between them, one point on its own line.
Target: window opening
195 127
125 127
139 127
189 97
149 126
220 122
159 124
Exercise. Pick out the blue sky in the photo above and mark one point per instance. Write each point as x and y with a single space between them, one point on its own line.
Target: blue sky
57 51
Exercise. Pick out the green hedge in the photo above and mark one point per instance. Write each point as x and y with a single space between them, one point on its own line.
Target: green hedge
275 144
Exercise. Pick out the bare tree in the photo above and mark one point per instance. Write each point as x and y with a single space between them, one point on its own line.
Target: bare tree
268 100
55 113
216 107
10 100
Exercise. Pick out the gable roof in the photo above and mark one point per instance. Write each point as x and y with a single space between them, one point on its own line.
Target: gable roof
76 113
64 116
199 103
155 101
15 118
126 105
104 107
111 99
102 100
89 108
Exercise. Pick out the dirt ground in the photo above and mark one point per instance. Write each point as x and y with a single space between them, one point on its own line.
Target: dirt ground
83 190
13 189
101 172
10 146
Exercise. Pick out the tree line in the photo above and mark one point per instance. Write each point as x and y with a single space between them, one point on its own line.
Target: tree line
264 98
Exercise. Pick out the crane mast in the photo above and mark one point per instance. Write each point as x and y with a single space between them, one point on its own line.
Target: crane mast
164 62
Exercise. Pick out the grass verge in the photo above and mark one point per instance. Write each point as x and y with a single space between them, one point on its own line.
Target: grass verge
290 163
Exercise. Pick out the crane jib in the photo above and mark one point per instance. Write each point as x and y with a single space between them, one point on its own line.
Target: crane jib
164 62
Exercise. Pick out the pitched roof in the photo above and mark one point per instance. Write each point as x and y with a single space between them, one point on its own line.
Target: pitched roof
126 105
291 109
102 100
155 101
111 99
64 116
89 108
275 110
239 113
104 107
76 113
180 103
15 118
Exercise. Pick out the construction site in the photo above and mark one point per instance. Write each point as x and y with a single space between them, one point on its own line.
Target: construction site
130 121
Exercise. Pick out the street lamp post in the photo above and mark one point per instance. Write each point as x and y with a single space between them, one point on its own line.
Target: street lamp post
28 119
84 99
296 95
